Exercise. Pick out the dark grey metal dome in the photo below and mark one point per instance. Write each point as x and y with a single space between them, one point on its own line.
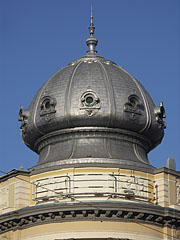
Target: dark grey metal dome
92 112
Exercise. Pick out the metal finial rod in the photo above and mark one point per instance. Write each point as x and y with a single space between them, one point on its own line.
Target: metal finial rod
91 28
91 16
91 41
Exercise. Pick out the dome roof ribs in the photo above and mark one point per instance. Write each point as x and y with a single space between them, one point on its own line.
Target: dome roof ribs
148 114
68 93
111 96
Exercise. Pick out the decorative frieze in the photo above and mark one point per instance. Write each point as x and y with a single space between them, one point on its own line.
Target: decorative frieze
26 220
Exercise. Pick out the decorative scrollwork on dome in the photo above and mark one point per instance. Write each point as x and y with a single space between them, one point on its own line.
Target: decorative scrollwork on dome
134 107
90 102
47 106
160 114
23 117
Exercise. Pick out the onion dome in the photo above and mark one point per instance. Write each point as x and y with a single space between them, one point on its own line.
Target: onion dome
92 112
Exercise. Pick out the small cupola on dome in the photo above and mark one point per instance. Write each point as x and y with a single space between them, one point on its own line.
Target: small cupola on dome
92 112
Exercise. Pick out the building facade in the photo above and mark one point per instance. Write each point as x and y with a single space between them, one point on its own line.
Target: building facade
92 124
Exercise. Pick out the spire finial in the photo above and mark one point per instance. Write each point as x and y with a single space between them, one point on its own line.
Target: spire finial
91 15
91 28
91 41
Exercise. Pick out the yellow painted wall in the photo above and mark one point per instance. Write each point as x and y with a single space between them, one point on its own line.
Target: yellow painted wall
88 230
16 193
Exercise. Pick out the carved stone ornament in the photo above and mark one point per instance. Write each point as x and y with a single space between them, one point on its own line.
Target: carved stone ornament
90 102
47 106
160 115
178 193
133 107
23 117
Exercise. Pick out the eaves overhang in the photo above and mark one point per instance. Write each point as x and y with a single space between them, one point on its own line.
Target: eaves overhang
14 173
90 211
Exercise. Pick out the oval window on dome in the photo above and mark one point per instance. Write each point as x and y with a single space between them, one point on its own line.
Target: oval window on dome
47 106
133 107
134 101
90 102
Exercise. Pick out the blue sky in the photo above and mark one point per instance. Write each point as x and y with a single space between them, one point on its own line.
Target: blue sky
38 37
